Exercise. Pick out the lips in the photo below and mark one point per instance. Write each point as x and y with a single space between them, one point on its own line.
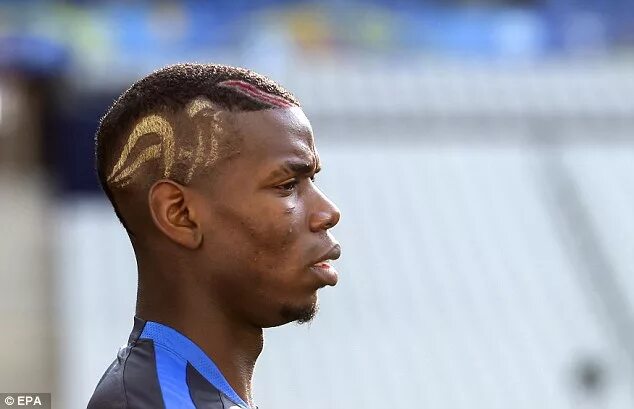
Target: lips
323 269
332 254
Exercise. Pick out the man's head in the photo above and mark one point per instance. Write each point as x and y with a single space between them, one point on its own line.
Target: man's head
210 169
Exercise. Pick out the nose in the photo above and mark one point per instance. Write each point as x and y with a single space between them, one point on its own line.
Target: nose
325 214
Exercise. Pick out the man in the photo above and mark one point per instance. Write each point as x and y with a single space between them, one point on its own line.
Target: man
211 171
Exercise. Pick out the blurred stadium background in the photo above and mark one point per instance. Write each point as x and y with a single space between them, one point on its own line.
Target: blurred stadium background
481 152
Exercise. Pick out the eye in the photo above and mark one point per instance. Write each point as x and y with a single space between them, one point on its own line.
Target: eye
288 186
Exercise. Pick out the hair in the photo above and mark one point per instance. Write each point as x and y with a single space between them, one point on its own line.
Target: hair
171 124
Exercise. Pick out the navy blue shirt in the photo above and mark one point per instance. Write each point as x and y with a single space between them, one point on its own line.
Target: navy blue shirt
162 368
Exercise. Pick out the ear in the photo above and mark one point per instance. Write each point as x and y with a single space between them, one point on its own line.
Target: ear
173 213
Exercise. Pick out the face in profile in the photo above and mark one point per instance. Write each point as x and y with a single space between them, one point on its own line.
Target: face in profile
266 223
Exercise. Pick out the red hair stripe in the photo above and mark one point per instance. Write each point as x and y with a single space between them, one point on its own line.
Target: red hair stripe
255 93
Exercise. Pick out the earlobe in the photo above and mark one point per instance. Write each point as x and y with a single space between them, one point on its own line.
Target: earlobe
173 214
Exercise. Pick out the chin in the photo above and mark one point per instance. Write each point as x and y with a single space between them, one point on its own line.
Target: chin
301 314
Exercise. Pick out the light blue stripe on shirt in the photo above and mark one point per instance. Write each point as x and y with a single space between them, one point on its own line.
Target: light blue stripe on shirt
178 344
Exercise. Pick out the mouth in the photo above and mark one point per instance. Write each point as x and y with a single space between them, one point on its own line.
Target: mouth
323 266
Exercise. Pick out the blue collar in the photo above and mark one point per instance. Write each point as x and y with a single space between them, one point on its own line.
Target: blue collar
189 351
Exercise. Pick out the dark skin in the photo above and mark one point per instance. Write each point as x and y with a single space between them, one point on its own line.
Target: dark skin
221 260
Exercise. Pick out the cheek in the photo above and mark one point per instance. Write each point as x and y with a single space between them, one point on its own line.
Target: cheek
265 239
280 233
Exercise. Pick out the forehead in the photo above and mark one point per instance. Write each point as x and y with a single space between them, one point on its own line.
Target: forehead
275 133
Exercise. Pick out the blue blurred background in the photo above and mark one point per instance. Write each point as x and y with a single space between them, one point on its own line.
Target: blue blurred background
481 152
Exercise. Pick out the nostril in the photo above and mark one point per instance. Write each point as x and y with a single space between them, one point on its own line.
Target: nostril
323 221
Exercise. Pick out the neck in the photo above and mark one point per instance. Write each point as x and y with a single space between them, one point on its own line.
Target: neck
233 345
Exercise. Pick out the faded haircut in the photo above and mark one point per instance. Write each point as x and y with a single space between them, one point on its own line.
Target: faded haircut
169 125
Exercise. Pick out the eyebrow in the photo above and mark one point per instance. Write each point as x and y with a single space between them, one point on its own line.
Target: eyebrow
298 167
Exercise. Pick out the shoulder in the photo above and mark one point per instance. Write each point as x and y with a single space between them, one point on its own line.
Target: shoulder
160 368
130 382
